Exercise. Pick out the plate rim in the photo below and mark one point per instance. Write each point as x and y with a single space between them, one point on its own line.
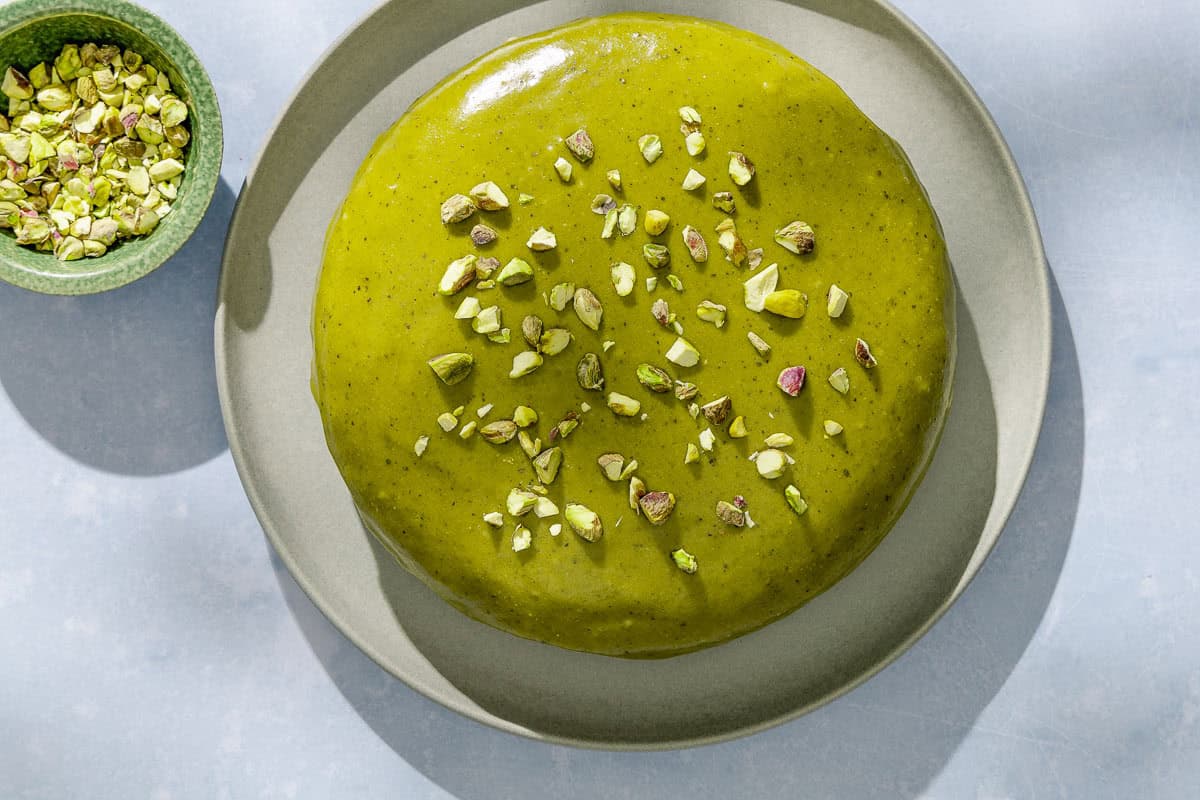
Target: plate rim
482 716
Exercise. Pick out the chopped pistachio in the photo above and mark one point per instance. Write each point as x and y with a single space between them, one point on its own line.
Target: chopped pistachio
623 405
627 219
778 440
485 266
707 440
588 308
530 444
520 502
524 416
835 302
611 464
656 255
731 242
494 518
730 514
689 115
580 145
677 285
456 208
656 221
531 331
796 236
585 522
685 391
862 354
608 344
522 539
447 421
468 430
452 367
717 410
555 340
695 243
499 432
555 529
420 446
602 204
560 295
791 380
16 85
482 235
661 312
694 410
483 286
515 272
788 303
468 308
832 428
651 147
610 224
165 170
737 428
458 411
758 287
692 454
631 466
798 504
651 283
484 410
524 363
723 201
564 169
458 275
653 378
741 169
623 278
614 178
545 507
683 353
525 199
685 560
839 380
693 180
589 373
711 312
754 257
547 463
487 320
694 142
657 506
565 426
541 240
760 345
771 463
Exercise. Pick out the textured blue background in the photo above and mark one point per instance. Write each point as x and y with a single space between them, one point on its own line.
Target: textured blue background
152 647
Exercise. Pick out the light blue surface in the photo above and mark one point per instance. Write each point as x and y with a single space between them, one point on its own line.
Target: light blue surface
152 647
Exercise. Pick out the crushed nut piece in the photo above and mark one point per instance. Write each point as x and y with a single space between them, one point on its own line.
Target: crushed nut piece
627 219
458 275
547 463
737 428
741 169
515 272
623 405
589 373
623 278
730 514
588 308
685 391
489 197
796 236
760 286
655 221
695 243
452 367
685 560
760 345
614 178
580 145
554 340
731 242
653 378
531 331
693 180
839 380
611 464
788 303
723 201
798 504
791 380
717 410
711 312
456 208
771 463
832 428
651 147
564 169
862 354
657 506
560 295
656 255
694 142
683 353
499 432
602 204
541 240
524 363
835 302
585 522
778 440
482 235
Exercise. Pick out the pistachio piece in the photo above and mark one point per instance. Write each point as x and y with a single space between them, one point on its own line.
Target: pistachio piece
778 440
580 145
694 142
466 431
585 522
786 303
541 240
711 312
685 391
520 502
589 373
717 410
531 331
653 378
457 276
835 301
485 266
421 445
547 464
515 272
758 287
862 354
16 86
754 258
623 405
791 380
798 504
468 308
452 368
796 236
484 410
707 439
522 539
614 178
839 380
737 428
651 147
611 465
530 444
524 416
525 199
760 345
489 197
627 219
482 235
608 344
655 222
730 514
487 320
564 169
832 428
545 507
683 353
560 295
689 115
771 463
456 208
723 201
685 560
524 363
555 529
692 454
610 224
494 518
741 169
677 285
602 204
695 243
693 180
499 432
657 506
623 278
731 242
588 308
661 312
555 340
565 426
656 255
447 421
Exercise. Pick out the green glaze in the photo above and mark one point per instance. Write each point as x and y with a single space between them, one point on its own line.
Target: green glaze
33 31
378 319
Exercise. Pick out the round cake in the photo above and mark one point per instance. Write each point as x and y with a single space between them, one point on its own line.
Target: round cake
634 335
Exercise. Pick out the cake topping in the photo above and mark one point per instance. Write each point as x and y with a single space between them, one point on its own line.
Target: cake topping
555 340
685 560
623 405
531 445
723 201
760 286
661 312
458 275
524 363
760 345
832 428
456 208
489 197
580 145
693 180
651 147
653 378
468 430
623 278
717 410
522 539
547 463
637 490
585 522
685 391
602 204
487 320
627 219
690 117
516 271
862 354
741 169
692 454
656 222
737 428
656 255
589 373
711 312
560 295
452 368
468 308
778 440
420 445
730 514
482 235
657 506
614 178
494 518
786 303
677 285
791 380
447 421
541 240
683 353
771 463
499 432
524 416
694 142
731 242
836 301
531 330
796 236
798 504
611 464
839 380
564 169
588 308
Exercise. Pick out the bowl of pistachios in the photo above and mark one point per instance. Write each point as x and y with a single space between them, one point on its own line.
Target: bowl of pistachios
110 144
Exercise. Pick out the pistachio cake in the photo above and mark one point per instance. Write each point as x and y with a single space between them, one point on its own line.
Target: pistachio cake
634 335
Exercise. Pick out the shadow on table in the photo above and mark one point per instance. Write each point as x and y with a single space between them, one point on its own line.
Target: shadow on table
890 737
124 380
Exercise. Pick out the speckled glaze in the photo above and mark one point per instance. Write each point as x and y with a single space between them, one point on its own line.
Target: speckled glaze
35 30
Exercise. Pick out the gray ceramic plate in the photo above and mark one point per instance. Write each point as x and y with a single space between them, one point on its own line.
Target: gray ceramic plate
272 259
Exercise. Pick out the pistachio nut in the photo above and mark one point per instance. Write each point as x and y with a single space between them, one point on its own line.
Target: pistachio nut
693 180
585 522
712 312
456 208
482 235
791 380
547 463
499 432
685 560
651 147
759 344
862 354
611 464
589 373
588 308
560 295
723 201
564 168
717 410
683 353
796 236
531 331
524 363
758 287
840 381
656 221
730 514
794 499
452 368
623 405
832 428
653 378
788 303
835 301
771 464
524 416
580 145
516 271
730 242
541 240
656 255
741 168
623 278
637 490
657 506
554 340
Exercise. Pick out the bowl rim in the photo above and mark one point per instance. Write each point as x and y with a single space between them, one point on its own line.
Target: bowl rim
137 258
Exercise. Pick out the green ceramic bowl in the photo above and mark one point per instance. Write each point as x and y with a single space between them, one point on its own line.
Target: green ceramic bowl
35 30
